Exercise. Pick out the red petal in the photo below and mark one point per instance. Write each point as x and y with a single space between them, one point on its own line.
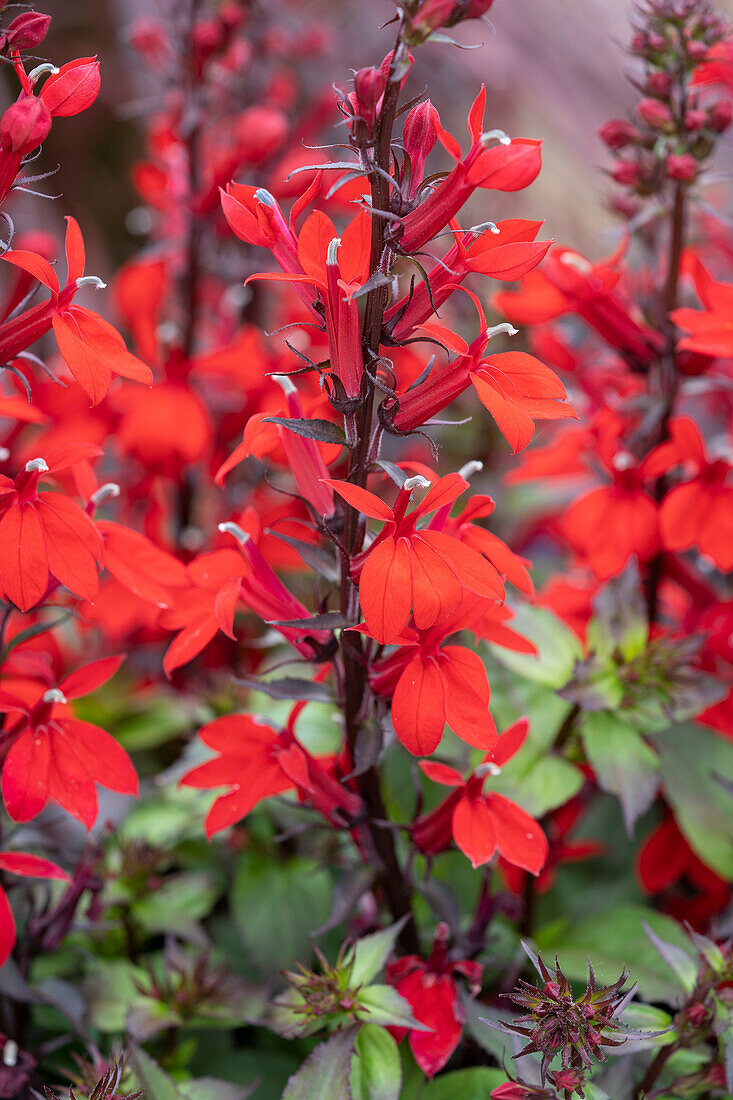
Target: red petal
519 838
74 246
510 742
88 678
23 557
474 830
441 773
418 707
25 775
385 589
467 695
362 500
7 928
73 544
436 588
91 372
22 863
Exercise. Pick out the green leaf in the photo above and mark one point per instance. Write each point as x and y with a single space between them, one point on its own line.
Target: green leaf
376 1071
370 953
275 905
468 1084
178 903
321 430
153 1080
679 961
614 939
538 783
557 647
325 1073
695 764
623 762
211 1088
383 1005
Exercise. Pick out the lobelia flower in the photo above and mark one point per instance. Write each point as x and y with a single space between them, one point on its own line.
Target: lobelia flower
92 349
49 755
257 762
510 166
707 331
699 512
407 568
515 387
43 532
482 823
430 988
29 866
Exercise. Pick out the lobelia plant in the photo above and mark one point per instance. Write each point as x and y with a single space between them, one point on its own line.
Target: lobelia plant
261 522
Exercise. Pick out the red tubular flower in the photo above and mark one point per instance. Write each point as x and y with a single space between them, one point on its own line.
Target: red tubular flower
481 822
21 863
257 762
92 349
409 569
73 88
429 986
510 166
515 387
44 533
507 253
698 512
49 755
707 331
419 135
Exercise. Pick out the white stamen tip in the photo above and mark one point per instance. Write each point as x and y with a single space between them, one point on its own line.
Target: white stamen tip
4 454
10 1053
41 70
471 468
623 460
332 251
482 227
284 383
495 135
235 530
53 695
264 196
90 280
504 328
489 768
36 465
575 260
416 482
109 489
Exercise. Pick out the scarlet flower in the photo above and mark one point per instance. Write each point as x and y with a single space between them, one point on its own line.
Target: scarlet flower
481 822
409 569
698 512
44 533
509 166
21 863
92 349
707 331
73 88
257 762
49 755
430 988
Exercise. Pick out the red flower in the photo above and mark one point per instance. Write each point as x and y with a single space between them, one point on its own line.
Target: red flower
708 331
700 511
430 989
44 533
92 349
481 823
256 761
21 863
409 569
51 755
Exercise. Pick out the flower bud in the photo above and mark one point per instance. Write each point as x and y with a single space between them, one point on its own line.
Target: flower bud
659 85
617 133
697 51
420 136
655 114
720 116
682 167
27 30
626 172
697 1014
695 119
432 15
369 85
24 125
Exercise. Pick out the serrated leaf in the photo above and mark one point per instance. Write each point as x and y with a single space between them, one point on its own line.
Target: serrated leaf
376 1071
384 1005
153 1080
678 960
325 1073
369 954
323 431
623 762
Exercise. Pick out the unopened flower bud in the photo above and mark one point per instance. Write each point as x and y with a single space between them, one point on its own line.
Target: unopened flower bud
626 172
682 167
697 51
659 84
24 125
27 30
617 133
420 136
369 85
720 116
654 113
695 119
697 1015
